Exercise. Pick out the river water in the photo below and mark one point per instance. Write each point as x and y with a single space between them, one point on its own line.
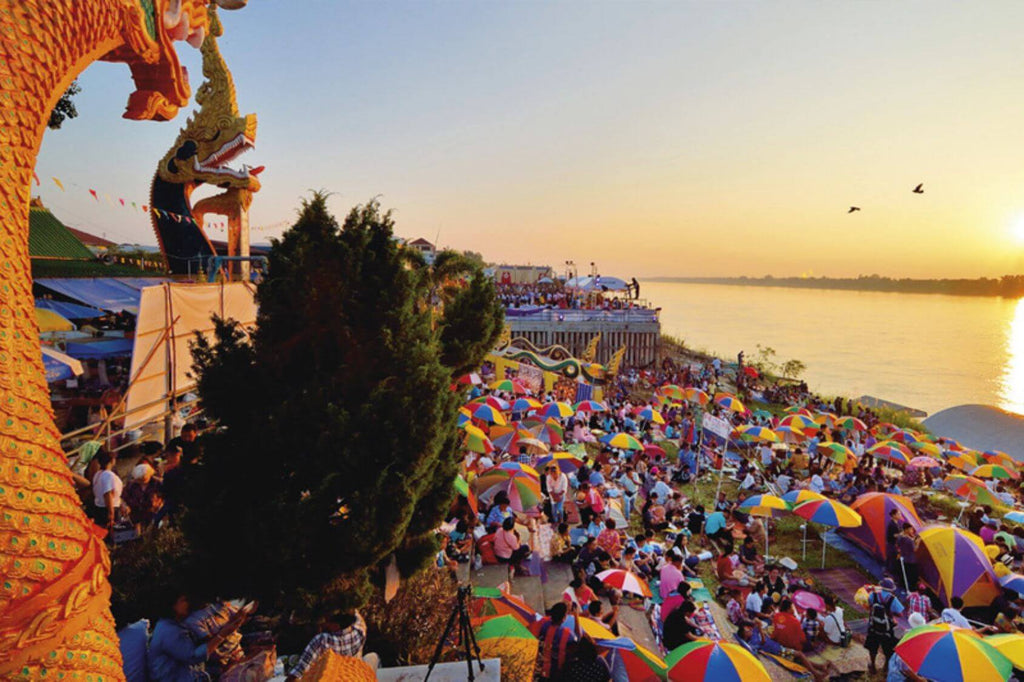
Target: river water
929 352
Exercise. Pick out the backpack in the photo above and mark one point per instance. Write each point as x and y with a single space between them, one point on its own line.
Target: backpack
845 636
880 621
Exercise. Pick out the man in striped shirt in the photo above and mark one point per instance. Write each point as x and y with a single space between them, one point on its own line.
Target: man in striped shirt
556 641
920 602
345 637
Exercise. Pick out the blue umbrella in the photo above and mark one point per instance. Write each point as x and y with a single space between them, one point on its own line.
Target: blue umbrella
1014 517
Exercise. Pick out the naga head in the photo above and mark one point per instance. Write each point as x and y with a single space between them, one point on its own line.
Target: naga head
149 29
216 134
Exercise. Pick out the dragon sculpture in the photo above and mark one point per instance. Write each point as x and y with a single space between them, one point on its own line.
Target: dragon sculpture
211 139
55 620
558 359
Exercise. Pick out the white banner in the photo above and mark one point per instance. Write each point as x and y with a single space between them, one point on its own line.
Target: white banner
718 426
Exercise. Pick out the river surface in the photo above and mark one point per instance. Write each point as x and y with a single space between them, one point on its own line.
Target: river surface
929 352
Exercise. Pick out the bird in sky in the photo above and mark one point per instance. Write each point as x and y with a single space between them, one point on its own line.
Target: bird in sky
853 208
919 189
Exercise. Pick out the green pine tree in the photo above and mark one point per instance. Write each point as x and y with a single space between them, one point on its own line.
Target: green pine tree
337 444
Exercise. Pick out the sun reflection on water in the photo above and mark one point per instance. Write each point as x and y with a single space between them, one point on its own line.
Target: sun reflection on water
1012 389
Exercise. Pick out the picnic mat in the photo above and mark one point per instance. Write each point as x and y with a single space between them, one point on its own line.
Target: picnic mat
844 582
698 592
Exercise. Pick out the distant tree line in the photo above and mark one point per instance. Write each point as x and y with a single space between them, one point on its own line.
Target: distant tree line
1007 286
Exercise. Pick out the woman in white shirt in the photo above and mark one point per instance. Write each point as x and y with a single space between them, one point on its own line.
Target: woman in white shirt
106 491
557 485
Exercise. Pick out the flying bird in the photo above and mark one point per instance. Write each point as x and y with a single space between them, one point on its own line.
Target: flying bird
853 208
919 189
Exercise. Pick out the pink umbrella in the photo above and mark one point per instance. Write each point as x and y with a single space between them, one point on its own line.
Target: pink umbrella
925 462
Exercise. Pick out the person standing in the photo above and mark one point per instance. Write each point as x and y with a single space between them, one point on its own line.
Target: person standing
558 486
906 544
107 487
883 607
892 533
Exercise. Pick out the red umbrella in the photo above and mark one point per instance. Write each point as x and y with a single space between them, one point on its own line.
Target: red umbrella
654 450
751 372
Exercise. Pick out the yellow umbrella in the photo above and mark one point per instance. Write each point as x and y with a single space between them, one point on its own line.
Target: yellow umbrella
1010 645
50 321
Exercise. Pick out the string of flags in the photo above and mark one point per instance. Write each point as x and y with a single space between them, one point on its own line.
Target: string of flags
159 212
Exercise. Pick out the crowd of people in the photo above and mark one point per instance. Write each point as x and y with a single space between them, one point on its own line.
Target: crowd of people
556 295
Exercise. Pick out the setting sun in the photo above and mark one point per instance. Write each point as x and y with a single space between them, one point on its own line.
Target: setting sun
1017 230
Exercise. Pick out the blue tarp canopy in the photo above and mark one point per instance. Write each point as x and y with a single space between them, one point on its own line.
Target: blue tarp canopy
69 311
598 283
115 294
99 349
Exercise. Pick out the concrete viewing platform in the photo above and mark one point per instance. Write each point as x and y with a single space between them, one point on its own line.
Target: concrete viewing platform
982 427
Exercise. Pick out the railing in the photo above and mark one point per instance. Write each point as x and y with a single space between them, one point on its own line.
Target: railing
573 315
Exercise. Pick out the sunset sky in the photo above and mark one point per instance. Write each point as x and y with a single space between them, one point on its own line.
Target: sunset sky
655 138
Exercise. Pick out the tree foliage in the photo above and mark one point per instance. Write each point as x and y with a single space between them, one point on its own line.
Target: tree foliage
65 107
337 444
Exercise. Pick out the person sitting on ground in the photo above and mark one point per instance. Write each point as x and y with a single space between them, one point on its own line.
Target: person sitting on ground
728 571
609 540
717 529
609 618
560 547
644 558
834 623
734 610
443 559
755 602
499 512
653 513
508 548
751 559
695 524
591 559
460 542
774 583
786 629
756 641
952 615
811 625
679 627
174 654
578 596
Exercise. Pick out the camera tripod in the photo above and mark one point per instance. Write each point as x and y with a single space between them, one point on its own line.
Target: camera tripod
460 610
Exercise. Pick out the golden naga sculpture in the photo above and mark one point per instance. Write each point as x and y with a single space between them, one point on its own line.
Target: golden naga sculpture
212 138
55 619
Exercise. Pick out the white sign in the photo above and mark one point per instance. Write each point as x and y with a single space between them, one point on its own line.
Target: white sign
717 426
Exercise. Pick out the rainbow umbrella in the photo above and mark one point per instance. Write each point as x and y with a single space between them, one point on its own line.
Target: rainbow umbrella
1010 645
762 414
556 410
925 462
714 661
474 430
998 457
883 429
523 490
465 417
950 443
492 400
965 460
994 471
506 437
730 402
950 654
837 451
758 433
799 421
471 379
850 424
905 436
672 392
491 601
509 386
625 581
953 562
622 441
519 466
533 446
651 415
507 638
549 433
590 406
486 413
971 489
926 448
524 405
478 443
825 419
890 451
462 488
874 509
640 664
830 513
565 461
766 501
790 434
796 409
798 496
694 395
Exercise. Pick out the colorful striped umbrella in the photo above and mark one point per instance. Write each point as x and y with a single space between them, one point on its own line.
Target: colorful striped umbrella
492 400
565 461
837 451
971 489
491 601
875 508
730 402
950 443
826 419
507 638
1012 581
797 409
998 457
905 436
950 654
790 434
473 430
762 414
693 394
926 448
622 441
625 581
523 490
462 487
883 429
758 433
794 497
509 386
719 661
590 406
651 415
671 391
470 379
965 460
891 451
925 462
799 421
549 433
1010 645
828 513
556 410
491 415
994 471
519 466
524 405
478 443
641 665
850 424
465 417
952 562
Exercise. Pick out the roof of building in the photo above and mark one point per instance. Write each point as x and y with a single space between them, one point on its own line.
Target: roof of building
49 238
420 242
91 239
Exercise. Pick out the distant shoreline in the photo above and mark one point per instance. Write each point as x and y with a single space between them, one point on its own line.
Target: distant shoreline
1008 286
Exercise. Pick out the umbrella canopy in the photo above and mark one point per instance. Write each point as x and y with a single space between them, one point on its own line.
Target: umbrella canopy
509 386
507 437
926 448
828 513
826 419
693 394
651 415
794 497
524 405
465 417
641 665
1010 645
507 638
905 436
796 409
622 441
492 400
891 451
59 366
489 414
549 433
850 424
953 562
471 379
520 467
730 402
1013 581
714 661
565 461
625 581
557 410
970 488
994 471
964 460
998 457
874 508
590 406
765 501
478 443
925 462
523 490
653 450
1014 517
837 451
462 487
759 433
762 414
790 434
951 654
491 601
799 421
49 321
671 391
